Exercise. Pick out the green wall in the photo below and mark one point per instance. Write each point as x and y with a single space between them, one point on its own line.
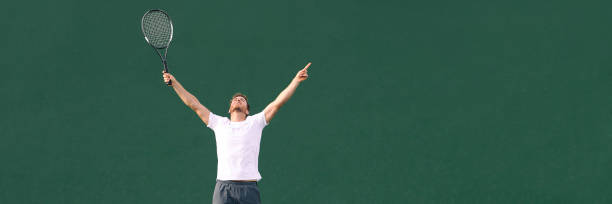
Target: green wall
407 101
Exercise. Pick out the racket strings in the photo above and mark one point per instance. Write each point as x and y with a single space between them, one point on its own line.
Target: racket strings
158 29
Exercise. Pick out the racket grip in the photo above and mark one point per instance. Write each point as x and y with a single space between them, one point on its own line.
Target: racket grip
169 83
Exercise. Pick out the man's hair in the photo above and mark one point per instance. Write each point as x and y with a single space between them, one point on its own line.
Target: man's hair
243 96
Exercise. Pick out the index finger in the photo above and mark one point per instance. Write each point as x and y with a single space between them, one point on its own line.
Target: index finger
308 65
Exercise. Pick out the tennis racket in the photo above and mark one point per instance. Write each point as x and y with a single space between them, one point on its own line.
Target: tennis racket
157 30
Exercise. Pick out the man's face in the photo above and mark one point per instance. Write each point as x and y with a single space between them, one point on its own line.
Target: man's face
239 104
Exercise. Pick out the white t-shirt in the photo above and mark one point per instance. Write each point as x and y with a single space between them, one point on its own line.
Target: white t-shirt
237 146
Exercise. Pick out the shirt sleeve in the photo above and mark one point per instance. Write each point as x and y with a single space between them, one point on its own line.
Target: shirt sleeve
213 120
260 119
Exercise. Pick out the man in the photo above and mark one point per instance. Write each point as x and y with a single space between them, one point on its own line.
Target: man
238 140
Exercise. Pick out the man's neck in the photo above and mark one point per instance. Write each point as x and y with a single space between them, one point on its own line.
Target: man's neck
237 117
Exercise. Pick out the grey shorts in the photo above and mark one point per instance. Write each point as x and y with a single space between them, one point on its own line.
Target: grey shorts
236 192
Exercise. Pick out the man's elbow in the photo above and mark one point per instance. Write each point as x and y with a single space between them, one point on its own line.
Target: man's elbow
193 105
278 104
274 106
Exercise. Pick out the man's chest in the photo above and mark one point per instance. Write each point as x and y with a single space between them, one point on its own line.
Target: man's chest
237 134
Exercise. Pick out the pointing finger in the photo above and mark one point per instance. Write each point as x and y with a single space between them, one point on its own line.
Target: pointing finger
308 65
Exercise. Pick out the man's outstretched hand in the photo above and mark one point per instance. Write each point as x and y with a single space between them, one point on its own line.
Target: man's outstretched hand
284 96
302 74
167 77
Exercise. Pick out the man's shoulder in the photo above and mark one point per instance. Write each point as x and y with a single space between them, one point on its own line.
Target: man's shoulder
219 117
258 118
255 116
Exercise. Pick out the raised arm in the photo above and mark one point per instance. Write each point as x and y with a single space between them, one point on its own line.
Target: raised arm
189 100
284 96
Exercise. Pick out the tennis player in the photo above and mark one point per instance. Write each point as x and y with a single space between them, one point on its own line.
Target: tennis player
238 140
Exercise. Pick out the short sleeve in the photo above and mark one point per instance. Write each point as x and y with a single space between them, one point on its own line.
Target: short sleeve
260 119
213 120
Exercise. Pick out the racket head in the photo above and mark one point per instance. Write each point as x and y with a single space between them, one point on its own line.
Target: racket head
157 28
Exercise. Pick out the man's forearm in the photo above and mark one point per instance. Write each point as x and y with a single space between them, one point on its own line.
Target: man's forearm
187 98
284 96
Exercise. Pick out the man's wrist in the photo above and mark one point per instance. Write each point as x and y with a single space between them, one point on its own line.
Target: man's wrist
295 81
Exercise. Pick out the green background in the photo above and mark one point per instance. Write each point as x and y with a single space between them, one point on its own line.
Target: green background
407 101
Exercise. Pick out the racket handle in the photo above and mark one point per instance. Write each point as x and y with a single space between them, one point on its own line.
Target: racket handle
169 83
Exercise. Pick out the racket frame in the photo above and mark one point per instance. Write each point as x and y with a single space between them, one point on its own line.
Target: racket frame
165 48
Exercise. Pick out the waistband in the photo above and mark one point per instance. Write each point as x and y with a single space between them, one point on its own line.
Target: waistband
237 182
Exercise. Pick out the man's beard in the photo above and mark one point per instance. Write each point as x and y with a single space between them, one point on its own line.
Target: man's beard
237 109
